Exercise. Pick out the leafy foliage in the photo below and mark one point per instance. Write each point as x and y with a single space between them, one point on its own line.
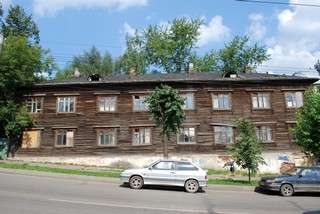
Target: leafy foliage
247 149
308 122
165 106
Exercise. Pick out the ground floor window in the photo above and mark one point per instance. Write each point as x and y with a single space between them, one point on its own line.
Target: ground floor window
141 136
107 137
64 137
31 139
223 134
265 133
186 135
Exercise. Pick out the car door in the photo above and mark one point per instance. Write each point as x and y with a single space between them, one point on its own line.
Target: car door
185 170
162 173
308 180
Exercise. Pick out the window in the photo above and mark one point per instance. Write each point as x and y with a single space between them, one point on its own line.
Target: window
186 166
164 165
66 104
294 99
64 137
265 133
107 137
291 129
34 105
141 136
221 101
188 103
107 104
223 134
139 104
31 139
186 135
260 100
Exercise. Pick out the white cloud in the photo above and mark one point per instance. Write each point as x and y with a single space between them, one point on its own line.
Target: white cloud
51 7
127 29
257 29
6 3
214 31
297 43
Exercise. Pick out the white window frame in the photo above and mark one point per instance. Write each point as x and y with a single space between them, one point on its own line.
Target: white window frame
139 104
64 137
141 136
260 100
66 104
188 134
294 99
265 133
107 103
188 101
34 105
106 136
221 101
225 134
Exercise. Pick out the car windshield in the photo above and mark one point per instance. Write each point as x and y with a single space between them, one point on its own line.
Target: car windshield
292 171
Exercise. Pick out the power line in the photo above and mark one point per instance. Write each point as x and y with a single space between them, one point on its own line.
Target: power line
281 3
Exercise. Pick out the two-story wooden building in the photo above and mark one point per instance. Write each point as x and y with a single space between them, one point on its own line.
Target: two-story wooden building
107 116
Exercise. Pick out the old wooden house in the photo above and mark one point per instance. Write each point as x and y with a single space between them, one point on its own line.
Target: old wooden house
107 115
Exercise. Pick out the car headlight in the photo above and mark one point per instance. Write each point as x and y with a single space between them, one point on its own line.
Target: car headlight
271 181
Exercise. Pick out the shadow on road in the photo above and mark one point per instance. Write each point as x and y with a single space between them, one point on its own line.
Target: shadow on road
298 194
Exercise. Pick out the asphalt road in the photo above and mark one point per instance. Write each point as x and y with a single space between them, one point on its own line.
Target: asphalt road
46 193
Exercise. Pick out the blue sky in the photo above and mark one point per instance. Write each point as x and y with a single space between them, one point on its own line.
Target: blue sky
290 33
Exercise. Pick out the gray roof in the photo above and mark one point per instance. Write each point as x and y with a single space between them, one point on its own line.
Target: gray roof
179 77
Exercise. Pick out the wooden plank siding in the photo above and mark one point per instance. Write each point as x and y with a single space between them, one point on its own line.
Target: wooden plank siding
87 118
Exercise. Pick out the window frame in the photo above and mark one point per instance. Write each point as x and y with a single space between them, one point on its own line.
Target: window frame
259 96
185 105
31 102
37 134
264 134
182 132
219 107
291 136
107 100
69 105
64 137
105 144
144 128
226 134
142 106
295 101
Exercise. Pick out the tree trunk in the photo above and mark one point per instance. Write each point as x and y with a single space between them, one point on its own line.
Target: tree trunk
165 145
249 176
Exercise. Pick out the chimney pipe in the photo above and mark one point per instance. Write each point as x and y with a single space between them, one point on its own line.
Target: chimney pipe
76 72
191 68
247 69
132 71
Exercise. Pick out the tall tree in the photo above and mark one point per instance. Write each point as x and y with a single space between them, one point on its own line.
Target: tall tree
134 56
170 47
247 149
308 122
165 106
19 24
238 54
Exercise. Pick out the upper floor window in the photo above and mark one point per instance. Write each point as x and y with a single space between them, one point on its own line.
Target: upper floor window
141 136
107 137
294 99
34 105
186 135
189 101
221 101
64 137
139 104
265 133
223 134
107 104
66 104
260 100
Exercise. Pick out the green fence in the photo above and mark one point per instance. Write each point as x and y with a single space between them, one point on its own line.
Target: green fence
4 146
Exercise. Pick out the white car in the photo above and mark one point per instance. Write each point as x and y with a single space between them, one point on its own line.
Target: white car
167 173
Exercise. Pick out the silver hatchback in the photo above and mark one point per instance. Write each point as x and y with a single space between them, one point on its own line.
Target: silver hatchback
167 173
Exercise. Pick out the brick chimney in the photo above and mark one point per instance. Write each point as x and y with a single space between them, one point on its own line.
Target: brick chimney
191 68
76 72
132 71
247 69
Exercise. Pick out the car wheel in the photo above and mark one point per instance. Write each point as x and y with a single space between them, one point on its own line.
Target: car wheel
286 190
191 186
136 182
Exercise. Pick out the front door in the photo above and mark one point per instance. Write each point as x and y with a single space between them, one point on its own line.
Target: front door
162 173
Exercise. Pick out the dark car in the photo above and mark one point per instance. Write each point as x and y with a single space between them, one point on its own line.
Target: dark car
296 179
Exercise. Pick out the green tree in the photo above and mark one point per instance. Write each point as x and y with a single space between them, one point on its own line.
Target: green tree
134 56
91 62
308 122
19 24
247 149
238 54
170 47
165 106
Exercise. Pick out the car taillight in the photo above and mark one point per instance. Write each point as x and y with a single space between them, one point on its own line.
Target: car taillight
206 177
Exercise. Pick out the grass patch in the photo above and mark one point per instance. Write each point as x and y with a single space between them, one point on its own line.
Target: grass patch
233 182
60 170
